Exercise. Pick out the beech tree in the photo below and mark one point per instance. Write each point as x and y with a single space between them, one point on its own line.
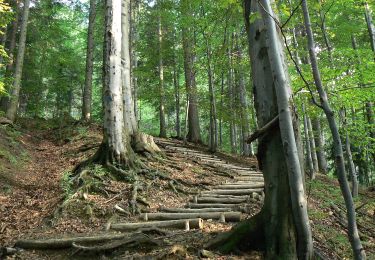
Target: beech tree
287 236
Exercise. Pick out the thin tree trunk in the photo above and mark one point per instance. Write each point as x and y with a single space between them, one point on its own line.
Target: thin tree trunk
87 90
134 37
312 145
323 27
232 126
322 161
357 248
15 92
244 111
163 129
352 171
176 83
309 161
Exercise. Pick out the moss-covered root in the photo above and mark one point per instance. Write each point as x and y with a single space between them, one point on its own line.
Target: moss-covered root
245 236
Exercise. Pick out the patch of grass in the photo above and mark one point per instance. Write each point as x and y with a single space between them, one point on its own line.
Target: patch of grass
7 155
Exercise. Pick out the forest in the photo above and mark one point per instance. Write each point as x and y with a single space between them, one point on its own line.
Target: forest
187 129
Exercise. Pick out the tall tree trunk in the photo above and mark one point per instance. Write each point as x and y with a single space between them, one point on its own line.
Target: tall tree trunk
352 171
87 90
163 129
10 50
357 248
128 102
323 28
282 227
370 25
134 37
322 161
188 39
244 109
176 83
312 146
309 161
232 125
15 92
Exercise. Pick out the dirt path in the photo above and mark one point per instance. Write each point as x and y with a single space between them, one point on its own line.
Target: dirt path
35 193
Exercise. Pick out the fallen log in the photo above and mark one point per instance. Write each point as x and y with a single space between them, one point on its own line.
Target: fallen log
187 224
210 205
249 182
221 200
240 178
225 196
185 210
58 243
228 216
232 192
239 186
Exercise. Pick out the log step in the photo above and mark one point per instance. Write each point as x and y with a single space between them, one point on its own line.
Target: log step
201 210
213 205
186 224
240 178
239 186
233 192
222 216
220 200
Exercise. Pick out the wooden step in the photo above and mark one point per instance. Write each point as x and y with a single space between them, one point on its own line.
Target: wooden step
213 205
187 210
187 224
220 200
232 192
234 216
247 178
238 186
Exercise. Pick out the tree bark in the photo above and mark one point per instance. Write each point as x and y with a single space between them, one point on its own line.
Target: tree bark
176 83
322 161
87 90
282 227
128 101
163 129
312 145
15 91
309 161
357 248
188 41
244 111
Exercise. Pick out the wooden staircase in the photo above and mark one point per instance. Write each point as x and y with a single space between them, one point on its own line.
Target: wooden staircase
226 202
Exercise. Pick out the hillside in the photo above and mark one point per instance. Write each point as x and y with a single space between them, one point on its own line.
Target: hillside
38 200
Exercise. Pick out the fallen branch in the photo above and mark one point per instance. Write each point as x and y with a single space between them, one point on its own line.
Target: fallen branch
270 125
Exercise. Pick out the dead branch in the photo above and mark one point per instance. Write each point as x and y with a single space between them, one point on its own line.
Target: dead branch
272 124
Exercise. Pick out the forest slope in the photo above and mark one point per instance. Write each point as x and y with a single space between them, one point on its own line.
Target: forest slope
37 200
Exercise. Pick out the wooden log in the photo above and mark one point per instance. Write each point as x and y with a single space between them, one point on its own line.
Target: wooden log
240 178
185 210
210 195
238 186
57 243
249 182
196 223
221 200
212 205
233 191
229 216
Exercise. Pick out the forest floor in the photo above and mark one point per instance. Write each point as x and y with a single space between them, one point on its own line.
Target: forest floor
37 199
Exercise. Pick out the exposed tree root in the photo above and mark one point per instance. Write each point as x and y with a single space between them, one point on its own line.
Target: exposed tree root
246 235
